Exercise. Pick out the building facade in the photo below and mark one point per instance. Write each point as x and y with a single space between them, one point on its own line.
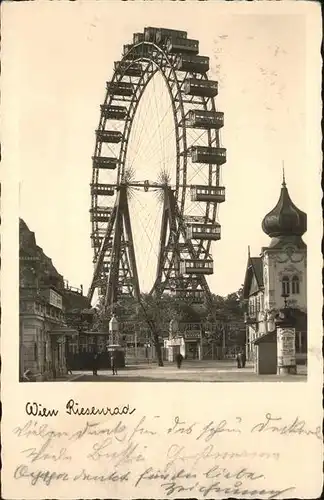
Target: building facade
278 277
43 331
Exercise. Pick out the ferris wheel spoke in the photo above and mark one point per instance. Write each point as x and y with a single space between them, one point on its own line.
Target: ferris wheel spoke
154 152
157 129
144 127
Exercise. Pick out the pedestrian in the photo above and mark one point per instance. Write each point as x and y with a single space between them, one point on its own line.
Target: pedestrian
95 364
113 362
243 358
68 367
239 359
179 359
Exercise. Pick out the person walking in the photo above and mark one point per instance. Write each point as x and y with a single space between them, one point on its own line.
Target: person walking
243 358
68 367
179 359
113 361
239 359
95 364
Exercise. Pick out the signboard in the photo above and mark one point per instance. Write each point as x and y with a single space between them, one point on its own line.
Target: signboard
55 299
286 347
173 342
193 334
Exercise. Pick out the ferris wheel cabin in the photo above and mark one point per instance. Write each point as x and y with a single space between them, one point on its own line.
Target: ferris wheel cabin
210 232
200 87
120 88
113 112
102 190
204 154
197 118
163 34
109 136
196 266
127 47
134 69
105 162
100 214
106 266
150 34
138 38
182 45
194 64
96 241
214 194
194 296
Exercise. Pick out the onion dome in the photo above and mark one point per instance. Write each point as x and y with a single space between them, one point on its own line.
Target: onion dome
285 219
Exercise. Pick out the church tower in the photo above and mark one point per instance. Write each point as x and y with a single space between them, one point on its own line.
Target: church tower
285 259
278 277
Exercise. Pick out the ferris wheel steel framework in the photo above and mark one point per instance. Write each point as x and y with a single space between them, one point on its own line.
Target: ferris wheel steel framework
114 256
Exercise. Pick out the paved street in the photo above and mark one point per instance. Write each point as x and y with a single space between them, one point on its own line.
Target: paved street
191 371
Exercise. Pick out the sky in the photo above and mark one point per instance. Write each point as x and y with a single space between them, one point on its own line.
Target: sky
60 62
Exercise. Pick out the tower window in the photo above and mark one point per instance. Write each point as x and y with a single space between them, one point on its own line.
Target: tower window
285 285
295 285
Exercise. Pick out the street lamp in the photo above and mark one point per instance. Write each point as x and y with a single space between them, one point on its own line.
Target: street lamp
285 296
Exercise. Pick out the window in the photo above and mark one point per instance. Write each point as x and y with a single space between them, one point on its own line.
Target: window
295 285
35 352
285 286
258 304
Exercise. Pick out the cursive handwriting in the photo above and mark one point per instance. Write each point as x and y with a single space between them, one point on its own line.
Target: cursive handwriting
177 452
239 475
140 429
233 491
47 476
178 457
72 408
154 474
130 453
118 431
112 476
38 410
32 428
179 427
211 429
42 454
296 427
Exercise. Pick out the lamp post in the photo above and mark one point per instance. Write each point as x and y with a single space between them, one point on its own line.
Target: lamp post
285 297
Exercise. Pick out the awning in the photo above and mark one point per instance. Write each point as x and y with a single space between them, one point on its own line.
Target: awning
68 332
96 333
267 337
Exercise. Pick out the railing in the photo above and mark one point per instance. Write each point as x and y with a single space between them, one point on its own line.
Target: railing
74 289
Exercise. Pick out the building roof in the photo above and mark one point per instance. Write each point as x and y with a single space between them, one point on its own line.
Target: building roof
285 219
34 263
75 301
37 269
258 269
254 268
266 338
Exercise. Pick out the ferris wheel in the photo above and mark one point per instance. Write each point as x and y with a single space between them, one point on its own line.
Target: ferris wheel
186 176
